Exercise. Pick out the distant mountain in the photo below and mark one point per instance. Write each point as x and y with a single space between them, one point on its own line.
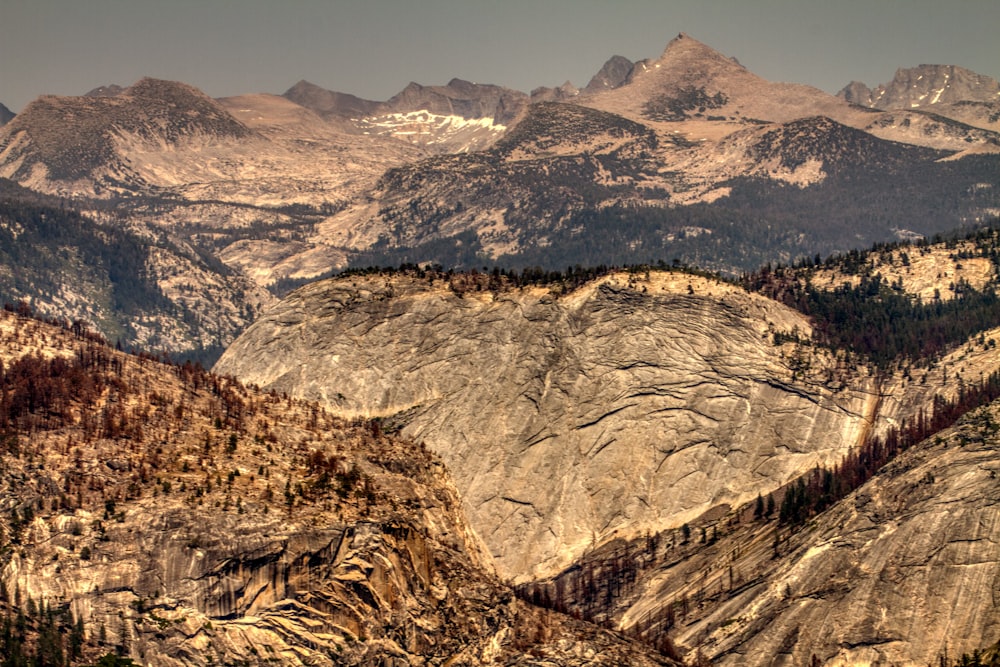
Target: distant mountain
6 115
923 86
692 80
328 103
572 185
460 98
83 138
458 117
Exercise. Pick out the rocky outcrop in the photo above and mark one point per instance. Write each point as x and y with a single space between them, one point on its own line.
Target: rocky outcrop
184 520
630 403
6 115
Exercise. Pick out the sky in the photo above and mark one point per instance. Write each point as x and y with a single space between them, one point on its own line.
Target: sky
374 48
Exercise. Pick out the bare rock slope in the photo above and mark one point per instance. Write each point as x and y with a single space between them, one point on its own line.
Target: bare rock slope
626 404
181 519
903 571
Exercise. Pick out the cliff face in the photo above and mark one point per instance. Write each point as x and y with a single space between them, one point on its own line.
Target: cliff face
184 520
628 404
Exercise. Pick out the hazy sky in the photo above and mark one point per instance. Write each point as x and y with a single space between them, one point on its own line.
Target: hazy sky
373 48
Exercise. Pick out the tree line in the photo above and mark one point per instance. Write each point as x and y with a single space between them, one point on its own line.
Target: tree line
820 488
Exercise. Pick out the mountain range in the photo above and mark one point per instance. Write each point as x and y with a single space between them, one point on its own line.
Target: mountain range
687 157
680 367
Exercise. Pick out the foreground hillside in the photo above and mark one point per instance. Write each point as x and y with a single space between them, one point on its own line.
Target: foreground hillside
177 518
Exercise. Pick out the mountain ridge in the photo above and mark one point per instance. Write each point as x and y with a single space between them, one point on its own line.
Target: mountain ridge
910 88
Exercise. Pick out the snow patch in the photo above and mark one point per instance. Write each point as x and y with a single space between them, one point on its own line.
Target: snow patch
427 128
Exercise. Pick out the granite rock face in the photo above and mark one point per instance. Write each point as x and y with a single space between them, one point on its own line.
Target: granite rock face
628 404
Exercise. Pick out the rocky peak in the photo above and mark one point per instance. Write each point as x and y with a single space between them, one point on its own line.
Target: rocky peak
111 90
6 115
691 78
614 73
856 92
684 48
923 86
463 87
564 92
